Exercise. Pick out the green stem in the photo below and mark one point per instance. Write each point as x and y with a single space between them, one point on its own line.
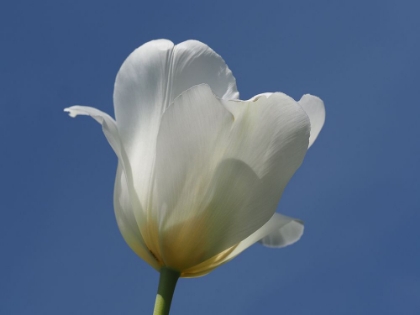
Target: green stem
167 283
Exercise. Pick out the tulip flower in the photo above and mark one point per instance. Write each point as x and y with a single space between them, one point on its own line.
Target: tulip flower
200 173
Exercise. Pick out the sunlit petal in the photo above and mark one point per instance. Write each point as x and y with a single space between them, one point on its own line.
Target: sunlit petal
148 82
218 176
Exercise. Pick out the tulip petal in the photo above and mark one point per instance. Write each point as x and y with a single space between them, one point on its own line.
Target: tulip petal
111 132
109 125
148 82
127 222
315 109
124 195
191 142
220 170
287 231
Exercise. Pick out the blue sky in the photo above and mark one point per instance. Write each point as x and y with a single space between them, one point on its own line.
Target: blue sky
357 190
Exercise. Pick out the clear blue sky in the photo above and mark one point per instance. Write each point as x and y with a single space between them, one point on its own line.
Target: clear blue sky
358 189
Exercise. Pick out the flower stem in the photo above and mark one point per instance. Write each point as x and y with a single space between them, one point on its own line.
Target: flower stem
167 283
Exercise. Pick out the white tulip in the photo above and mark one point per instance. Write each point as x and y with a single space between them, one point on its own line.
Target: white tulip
200 173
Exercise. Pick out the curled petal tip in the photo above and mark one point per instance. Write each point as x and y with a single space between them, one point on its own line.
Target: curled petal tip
71 112
286 235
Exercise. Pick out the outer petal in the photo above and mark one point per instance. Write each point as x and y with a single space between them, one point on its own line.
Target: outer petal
109 126
278 224
125 199
127 222
315 109
219 177
111 132
148 81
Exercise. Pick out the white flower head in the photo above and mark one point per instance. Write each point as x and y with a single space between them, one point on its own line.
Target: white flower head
200 173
